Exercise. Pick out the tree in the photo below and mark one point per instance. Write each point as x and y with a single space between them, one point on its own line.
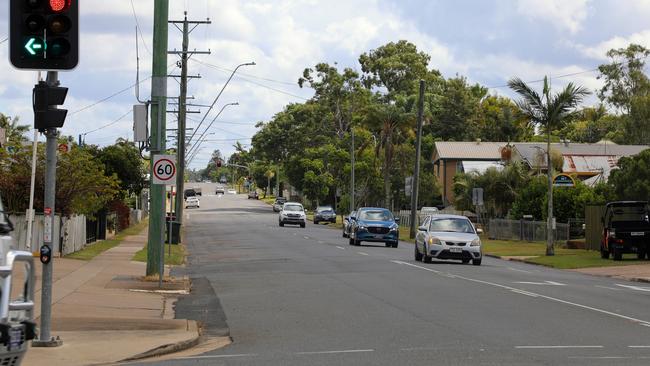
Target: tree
501 120
631 181
458 110
123 160
13 131
548 112
624 77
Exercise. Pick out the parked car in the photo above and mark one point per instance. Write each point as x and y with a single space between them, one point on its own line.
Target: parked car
292 213
192 202
190 192
375 225
198 191
277 205
220 190
347 224
324 213
626 229
252 194
448 237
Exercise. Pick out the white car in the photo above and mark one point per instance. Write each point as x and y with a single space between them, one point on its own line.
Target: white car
292 213
192 202
448 237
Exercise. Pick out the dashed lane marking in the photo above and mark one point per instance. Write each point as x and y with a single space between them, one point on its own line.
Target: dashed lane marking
340 247
362 253
218 356
555 347
333 352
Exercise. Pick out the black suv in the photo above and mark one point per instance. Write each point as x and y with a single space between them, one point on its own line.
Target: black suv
626 229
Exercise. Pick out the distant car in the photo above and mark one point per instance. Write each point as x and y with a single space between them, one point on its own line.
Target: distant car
448 237
220 190
198 191
208 181
277 205
292 213
190 192
324 213
347 224
253 195
375 225
192 202
232 191
626 229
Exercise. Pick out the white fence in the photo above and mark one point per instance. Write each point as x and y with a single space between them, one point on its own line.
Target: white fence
405 215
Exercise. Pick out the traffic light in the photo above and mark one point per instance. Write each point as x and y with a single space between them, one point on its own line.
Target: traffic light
45 99
44 34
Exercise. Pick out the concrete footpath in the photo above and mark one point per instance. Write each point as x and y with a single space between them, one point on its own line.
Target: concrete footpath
104 312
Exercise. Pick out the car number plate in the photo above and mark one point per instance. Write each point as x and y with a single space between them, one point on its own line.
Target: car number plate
456 250
378 236
15 338
638 233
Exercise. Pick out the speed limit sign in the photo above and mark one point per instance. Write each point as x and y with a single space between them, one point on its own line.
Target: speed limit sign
164 169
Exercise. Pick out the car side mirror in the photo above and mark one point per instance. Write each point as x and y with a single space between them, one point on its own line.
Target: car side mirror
479 231
397 220
353 217
422 228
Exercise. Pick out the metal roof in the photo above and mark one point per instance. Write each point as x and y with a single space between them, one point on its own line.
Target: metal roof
583 155
468 150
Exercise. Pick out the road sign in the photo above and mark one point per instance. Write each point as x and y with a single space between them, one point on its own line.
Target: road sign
408 185
64 148
164 169
477 196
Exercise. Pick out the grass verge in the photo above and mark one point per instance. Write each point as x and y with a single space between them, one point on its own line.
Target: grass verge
176 258
93 250
563 258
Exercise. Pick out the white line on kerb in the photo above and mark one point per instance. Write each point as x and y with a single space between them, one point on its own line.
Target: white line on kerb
332 352
218 356
554 347
362 253
638 321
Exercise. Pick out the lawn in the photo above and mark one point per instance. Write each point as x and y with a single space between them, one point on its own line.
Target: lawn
93 250
176 258
563 258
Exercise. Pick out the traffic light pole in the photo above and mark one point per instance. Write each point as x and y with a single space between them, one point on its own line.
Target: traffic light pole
50 240
155 243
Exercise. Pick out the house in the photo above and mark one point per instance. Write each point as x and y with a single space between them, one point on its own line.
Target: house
590 163
451 157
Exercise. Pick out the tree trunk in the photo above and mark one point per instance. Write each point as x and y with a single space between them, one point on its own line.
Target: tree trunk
387 158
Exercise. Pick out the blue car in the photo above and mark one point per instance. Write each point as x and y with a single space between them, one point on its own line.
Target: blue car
373 224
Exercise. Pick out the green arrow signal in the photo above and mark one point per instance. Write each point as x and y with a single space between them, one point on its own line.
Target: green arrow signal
32 45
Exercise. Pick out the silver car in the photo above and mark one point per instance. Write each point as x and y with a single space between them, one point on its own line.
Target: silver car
448 237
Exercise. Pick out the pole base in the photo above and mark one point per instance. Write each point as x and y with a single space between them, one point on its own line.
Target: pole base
53 342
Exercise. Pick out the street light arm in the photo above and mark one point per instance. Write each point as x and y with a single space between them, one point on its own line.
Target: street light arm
218 95
210 125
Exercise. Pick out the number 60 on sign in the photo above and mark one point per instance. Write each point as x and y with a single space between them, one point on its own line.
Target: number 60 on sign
164 169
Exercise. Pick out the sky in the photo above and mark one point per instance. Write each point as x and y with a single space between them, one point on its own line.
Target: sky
488 41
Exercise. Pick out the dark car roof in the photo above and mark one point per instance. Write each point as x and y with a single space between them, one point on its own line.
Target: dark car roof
626 203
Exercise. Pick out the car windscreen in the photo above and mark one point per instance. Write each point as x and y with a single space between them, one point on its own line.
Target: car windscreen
375 215
630 213
451 225
324 209
293 208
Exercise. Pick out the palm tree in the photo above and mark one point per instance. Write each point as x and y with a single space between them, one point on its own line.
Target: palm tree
13 131
548 111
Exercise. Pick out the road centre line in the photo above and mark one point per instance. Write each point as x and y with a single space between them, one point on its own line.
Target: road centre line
334 352
340 247
638 346
218 356
637 288
555 347
602 311
306 237
518 270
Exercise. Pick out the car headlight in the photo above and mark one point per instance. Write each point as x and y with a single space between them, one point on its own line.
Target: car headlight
361 227
612 233
394 228
434 241
475 243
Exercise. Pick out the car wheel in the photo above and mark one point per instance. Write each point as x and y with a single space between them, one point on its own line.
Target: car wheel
618 254
426 258
388 244
465 261
344 235
395 244
315 222
604 254
418 255
351 241
282 224
357 242
302 226
476 262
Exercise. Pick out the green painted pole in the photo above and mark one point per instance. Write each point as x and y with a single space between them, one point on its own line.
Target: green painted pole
158 126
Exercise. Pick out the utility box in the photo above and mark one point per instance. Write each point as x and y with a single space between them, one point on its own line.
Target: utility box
140 123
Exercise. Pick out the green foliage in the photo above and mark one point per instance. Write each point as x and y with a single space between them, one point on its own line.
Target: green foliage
123 160
531 199
632 180
14 132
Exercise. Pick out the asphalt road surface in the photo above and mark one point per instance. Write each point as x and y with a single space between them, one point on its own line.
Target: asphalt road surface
292 296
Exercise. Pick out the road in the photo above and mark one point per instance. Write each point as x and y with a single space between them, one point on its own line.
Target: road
292 296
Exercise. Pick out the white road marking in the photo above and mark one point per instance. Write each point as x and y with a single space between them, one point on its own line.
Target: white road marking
635 320
599 358
609 288
554 347
340 247
545 283
518 270
362 253
639 346
525 293
218 356
637 288
306 237
333 352
321 242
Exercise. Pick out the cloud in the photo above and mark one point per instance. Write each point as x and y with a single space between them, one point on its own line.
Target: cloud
564 15
599 51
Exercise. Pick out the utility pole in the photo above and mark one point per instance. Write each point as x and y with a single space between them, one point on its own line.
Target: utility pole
50 240
182 111
549 172
416 174
352 185
158 122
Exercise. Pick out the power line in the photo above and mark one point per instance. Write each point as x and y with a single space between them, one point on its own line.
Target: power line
107 125
225 69
226 122
137 25
4 40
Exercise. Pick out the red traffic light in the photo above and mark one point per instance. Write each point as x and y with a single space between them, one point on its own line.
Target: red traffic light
60 5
